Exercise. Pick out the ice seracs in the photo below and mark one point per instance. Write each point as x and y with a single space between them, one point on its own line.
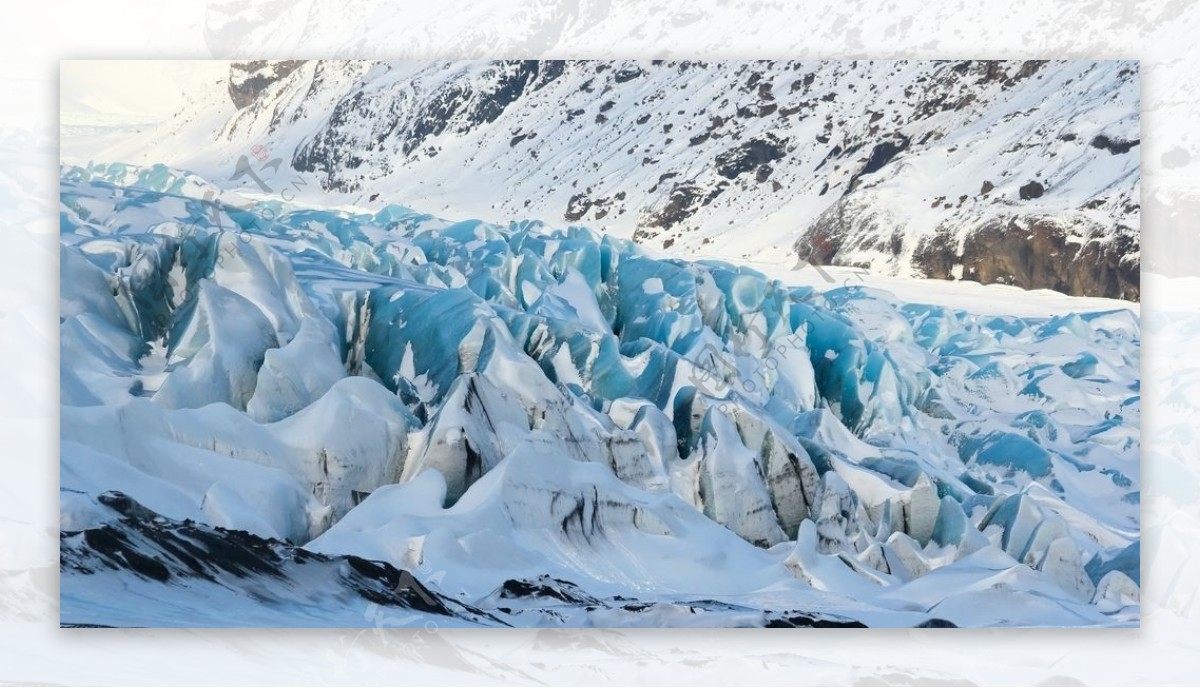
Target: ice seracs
497 403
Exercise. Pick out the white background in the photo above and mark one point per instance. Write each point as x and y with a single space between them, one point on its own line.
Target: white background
34 36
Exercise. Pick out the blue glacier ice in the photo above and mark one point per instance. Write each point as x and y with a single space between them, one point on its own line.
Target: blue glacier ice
281 370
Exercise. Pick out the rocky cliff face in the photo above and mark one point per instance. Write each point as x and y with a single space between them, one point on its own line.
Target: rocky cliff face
891 165
1070 252
1040 252
247 80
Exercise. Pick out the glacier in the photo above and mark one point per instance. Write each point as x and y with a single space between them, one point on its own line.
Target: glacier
285 415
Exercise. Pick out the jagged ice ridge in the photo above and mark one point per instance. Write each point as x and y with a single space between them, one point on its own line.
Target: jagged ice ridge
545 426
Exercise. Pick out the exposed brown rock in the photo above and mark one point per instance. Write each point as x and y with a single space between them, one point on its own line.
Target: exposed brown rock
1035 253
1070 254
248 79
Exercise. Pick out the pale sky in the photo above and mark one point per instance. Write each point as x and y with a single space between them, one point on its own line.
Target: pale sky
131 90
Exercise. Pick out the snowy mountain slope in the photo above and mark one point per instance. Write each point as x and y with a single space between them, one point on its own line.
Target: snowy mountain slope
553 426
1021 173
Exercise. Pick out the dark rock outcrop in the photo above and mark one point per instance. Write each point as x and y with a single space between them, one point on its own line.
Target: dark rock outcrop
881 154
1038 253
683 202
1114 146
248 79
161 551
1070 254
749 155
1031 190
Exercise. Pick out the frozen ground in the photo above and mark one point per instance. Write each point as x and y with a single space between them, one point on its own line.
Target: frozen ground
276 415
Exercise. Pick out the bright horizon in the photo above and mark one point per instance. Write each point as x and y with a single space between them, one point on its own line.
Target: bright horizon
134 91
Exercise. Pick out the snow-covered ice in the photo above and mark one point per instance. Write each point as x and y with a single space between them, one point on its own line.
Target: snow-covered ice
271 413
